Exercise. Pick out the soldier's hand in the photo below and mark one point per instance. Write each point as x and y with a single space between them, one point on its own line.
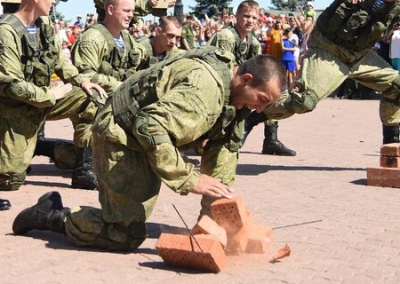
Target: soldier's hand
212 187
153 2
61 91
87 86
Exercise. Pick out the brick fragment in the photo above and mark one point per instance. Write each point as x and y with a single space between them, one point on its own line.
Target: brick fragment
182 251
390 162
391 150
385 177
206 225
237 241
260 240
231 214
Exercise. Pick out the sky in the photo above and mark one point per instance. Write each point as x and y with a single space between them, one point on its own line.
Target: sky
72 8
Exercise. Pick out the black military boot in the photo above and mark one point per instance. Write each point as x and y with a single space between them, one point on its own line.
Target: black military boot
47 214
83 175
41 135
5 204
271 144
252 120
390 134
44 147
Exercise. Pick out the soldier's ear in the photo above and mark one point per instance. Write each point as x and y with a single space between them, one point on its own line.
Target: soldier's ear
246 78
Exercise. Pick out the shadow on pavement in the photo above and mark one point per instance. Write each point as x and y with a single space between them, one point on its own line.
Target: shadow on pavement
48 170
162 266
253 169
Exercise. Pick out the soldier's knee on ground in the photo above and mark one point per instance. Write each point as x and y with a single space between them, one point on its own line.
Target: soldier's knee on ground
301 102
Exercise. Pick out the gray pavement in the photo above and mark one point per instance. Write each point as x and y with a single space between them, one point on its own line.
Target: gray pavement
339 229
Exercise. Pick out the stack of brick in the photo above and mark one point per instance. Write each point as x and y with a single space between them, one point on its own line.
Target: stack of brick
230 230
388 174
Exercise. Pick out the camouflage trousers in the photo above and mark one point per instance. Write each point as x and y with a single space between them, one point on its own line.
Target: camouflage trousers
128 190
325 67
18 132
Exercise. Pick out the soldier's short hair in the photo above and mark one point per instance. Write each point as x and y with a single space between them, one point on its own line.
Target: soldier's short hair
248 4
167 20
110 2
264 67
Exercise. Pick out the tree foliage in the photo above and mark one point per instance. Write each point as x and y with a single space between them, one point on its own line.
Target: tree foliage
288 4
212 8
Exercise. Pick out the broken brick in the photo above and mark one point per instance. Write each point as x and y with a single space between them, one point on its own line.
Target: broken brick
231 214
391 150
385 177
206 225
183 251
237 241
260 240
390 162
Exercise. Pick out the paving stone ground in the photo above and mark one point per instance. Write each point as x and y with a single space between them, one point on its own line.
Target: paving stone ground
339 229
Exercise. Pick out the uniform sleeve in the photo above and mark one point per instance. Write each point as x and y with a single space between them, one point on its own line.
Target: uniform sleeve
87 55
143 8
67 71
184 114
12 78
219 162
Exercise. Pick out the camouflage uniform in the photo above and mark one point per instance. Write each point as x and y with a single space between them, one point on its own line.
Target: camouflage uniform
228 39
151 58
340 47
25 99
97 55
188 34
153 115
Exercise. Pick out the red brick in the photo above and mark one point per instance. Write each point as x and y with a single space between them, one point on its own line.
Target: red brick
206 225
385 177
391 150
260 240
237 241
390 162
231 214
183 251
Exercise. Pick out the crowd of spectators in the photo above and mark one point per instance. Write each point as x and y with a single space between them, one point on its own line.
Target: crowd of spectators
271 29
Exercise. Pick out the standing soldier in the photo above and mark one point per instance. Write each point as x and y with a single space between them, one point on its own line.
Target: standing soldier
106 51
239 41
187 41
29 55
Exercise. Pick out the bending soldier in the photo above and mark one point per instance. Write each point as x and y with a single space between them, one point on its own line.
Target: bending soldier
138 135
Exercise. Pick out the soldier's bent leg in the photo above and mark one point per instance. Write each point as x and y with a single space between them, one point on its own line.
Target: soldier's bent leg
128 189
390 112
271 143
18 137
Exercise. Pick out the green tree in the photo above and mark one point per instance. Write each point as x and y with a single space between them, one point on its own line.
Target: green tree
211 7
288 4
